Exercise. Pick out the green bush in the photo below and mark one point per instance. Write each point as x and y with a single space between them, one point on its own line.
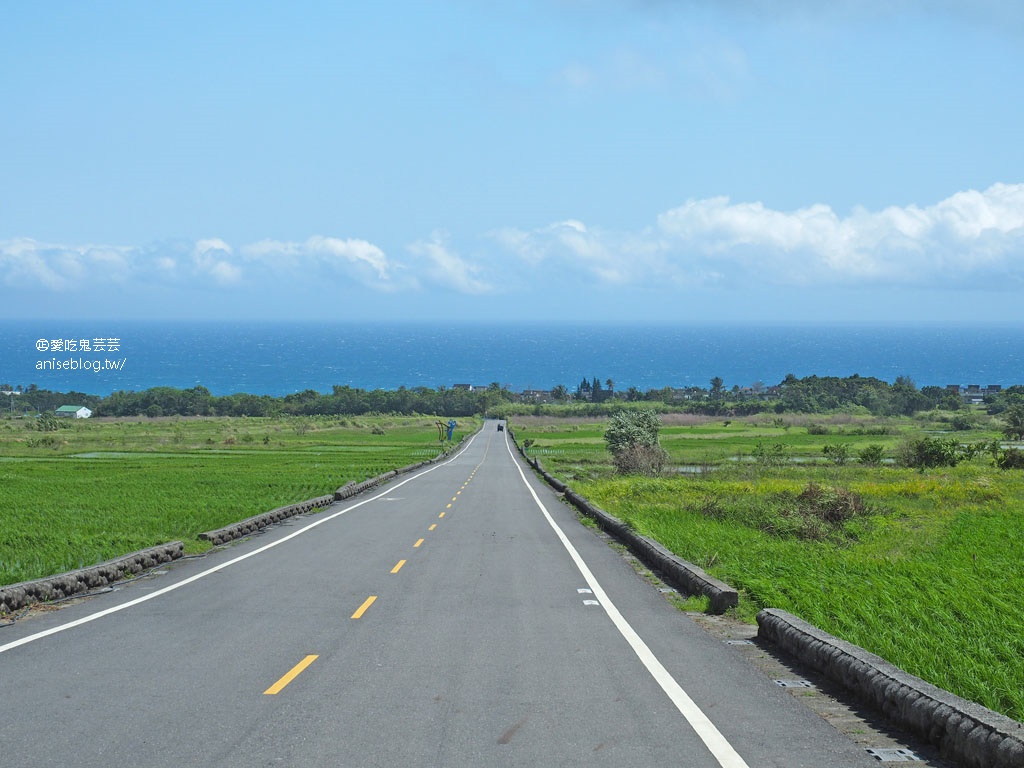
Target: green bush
771 454
640 460
1011 458
927 452
871 455
962 423
837 453
632 439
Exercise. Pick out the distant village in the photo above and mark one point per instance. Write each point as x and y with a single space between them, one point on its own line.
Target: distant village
594 392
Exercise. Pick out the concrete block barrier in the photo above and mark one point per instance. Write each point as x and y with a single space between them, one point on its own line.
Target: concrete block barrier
963 731
259 522
17 596
550 479
345 491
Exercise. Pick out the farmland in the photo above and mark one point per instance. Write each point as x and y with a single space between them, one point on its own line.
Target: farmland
96 489
923 567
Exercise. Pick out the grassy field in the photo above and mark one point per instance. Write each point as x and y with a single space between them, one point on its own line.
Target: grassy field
76 497
925 569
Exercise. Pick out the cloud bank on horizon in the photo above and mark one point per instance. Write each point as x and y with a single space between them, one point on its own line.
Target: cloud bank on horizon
618 160
971 237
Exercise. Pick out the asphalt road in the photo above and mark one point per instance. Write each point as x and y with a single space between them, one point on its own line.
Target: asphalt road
459 616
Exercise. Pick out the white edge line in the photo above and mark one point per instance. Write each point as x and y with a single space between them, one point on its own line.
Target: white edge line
131 603
714 740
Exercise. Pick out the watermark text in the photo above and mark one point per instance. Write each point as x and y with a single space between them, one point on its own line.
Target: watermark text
79 345
81 364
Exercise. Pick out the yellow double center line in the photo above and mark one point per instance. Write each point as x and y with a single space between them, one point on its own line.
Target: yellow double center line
301 666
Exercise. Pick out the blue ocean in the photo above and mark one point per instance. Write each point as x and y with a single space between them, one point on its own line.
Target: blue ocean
280 358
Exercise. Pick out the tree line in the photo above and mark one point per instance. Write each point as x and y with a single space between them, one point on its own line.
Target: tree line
811 394
198 401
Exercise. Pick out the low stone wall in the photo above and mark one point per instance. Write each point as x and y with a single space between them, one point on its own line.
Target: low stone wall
259 522
964 731
16 596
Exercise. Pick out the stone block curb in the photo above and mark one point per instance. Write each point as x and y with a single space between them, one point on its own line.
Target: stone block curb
968 733
259 522
354 489
13 597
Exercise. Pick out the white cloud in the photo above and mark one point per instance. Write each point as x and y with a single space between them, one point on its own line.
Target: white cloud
28 262
447 268
972 240
213 244
330 251
970 237
355 251
212 257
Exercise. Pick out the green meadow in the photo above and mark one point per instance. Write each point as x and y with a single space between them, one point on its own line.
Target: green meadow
924 568
96 489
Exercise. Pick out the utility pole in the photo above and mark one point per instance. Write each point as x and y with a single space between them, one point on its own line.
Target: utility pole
12 393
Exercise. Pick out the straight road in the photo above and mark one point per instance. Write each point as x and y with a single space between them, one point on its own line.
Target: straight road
459 616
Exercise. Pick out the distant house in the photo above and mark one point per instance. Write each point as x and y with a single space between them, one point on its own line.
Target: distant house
74 411
974 394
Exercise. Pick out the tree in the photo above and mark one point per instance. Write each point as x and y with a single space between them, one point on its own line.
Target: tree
906 400
632 439
837 453
1013 422
717 388
560 393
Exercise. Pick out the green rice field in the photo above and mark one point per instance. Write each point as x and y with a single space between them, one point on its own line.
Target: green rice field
78 496
925 569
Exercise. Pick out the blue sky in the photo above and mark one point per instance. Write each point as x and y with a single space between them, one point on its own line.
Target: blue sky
569 160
